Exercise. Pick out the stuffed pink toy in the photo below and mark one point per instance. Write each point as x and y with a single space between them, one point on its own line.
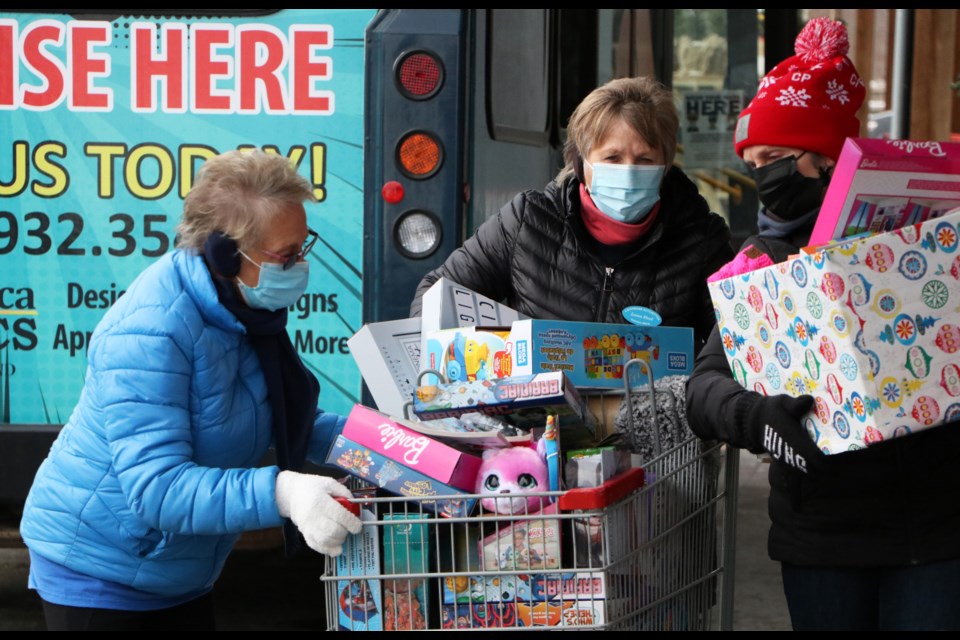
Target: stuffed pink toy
510 472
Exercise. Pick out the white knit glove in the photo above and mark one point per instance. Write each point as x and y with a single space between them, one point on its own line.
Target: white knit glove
308 500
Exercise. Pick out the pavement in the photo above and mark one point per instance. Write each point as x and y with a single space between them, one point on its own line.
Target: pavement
261 590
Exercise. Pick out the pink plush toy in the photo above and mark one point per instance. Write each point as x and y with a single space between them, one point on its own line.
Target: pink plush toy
510 472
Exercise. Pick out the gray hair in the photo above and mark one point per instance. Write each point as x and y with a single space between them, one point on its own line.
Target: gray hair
643 103
238 193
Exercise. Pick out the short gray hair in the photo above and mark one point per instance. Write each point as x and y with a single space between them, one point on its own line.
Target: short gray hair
238 193
645 105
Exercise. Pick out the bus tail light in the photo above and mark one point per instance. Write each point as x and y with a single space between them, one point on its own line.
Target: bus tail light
419 75
419 154
417 234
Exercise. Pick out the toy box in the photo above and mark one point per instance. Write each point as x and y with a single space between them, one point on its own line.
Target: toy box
523 401
567 613
588 468
388 357
869 328
432 458
359 599
883 185
406 549
447 305
593 355
398 479
532 544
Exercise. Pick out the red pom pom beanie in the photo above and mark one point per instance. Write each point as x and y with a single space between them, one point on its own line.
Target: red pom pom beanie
810 100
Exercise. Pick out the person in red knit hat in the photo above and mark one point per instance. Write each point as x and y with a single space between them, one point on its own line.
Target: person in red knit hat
866 540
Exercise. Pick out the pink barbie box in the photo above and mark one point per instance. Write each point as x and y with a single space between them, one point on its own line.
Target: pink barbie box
883 185
388 437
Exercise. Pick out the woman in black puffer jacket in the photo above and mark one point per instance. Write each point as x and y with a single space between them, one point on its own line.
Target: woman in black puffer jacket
618 227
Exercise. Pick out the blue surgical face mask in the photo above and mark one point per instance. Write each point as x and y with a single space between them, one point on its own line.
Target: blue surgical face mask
276 288
625 192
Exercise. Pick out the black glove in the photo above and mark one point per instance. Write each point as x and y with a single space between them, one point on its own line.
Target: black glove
774 426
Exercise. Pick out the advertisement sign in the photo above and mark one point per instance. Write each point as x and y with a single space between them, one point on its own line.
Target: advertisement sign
103 126
707 122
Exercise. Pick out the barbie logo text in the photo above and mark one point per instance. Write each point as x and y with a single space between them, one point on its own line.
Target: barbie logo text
912 145
391 436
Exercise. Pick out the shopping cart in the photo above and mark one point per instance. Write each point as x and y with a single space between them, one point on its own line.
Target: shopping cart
651 549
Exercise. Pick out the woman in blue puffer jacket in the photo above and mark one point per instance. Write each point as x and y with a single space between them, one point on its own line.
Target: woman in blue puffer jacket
191 378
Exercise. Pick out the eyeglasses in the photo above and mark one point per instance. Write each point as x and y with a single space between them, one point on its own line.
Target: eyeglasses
288 261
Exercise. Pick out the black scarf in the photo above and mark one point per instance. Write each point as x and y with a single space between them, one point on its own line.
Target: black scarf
292 390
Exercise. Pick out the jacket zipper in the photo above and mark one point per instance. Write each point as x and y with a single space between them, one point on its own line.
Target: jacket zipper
605 293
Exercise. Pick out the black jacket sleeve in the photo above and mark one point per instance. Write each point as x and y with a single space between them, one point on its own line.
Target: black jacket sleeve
717 405
483 263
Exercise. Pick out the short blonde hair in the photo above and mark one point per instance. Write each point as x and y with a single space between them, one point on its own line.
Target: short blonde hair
238 193
642 102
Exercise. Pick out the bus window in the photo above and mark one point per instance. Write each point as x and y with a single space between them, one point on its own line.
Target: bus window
519 75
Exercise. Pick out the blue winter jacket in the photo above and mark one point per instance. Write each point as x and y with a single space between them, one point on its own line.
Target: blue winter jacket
152 479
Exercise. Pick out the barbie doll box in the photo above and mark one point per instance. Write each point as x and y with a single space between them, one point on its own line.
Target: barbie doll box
870 328
388 437
398 479
883 185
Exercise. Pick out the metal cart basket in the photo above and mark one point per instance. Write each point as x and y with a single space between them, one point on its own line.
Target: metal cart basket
651 549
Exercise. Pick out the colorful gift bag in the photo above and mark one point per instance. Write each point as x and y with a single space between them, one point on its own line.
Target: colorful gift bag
870 328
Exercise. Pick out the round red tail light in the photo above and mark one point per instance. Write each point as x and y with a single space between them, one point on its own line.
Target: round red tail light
419 75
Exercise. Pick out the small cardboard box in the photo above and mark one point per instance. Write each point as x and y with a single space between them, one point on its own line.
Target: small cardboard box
532 544
406 549
432 458
883 185
359 599
593 355
398 479
523 401
869 328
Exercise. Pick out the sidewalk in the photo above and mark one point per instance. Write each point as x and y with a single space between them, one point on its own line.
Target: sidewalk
758 604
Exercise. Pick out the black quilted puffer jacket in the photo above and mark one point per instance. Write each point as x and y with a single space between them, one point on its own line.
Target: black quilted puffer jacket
537 257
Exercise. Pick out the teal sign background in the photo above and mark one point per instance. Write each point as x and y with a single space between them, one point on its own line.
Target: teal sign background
93 173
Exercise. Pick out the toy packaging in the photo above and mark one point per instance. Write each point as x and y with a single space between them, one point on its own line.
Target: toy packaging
869 328
359 600
523 401
593 355
398 479
388 357
535 600
588 468
406 549
568 613
447 305
883 185
524 544
432 458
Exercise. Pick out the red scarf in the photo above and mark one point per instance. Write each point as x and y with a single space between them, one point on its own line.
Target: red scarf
612 232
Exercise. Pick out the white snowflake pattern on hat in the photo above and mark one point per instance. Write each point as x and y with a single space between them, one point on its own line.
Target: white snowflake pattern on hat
838 92
767 82
790 97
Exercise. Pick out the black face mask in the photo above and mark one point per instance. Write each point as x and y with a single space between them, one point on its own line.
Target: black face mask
785 192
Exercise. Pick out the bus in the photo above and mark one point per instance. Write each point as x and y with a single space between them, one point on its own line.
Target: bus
413 125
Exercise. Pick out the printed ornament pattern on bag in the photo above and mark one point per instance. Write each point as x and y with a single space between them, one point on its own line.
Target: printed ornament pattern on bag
869 328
